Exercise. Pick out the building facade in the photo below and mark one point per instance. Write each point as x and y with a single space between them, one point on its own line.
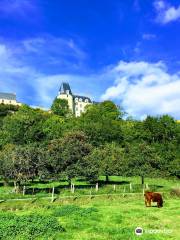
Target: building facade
9 98
77 104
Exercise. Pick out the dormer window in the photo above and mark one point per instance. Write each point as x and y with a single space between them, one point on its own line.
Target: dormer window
76 99
67 91
80 99
86 100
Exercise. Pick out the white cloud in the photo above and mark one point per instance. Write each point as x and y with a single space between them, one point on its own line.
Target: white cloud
16 6
35 68
165 12
159 4
148 36
145 88
140 87
49 46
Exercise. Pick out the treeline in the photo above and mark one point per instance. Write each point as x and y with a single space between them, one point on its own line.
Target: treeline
53 145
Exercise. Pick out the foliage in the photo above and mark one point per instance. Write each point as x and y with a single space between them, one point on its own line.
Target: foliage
49 145
24 126
175 192
6 109
107 160
28 226
102 123
53 127
60 107
19 163
69 210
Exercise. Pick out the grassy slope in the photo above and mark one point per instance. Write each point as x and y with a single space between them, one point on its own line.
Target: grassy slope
118 217
104 218
82 187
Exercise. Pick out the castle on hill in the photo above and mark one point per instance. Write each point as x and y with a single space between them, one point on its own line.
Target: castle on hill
9 98
77 104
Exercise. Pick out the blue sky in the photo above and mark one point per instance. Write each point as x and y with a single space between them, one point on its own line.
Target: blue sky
124 50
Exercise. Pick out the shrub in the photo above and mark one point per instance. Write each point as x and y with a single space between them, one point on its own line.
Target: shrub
28 226
73 209
175 192
66 210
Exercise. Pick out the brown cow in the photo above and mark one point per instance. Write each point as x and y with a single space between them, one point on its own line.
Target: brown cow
154 197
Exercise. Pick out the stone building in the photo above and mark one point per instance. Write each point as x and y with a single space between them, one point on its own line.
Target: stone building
77 104
8 98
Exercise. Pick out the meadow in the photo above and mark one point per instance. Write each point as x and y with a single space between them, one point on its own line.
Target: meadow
90 214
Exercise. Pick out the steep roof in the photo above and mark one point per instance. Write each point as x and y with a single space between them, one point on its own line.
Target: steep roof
7 96
64 88
82 97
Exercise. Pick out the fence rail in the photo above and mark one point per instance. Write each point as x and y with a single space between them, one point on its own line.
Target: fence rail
70 197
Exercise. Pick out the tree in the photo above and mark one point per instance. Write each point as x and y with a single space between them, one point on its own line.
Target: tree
6 109
66 154
142 160
19 163
102 123
6 162
24 126
162 129
107 160
60 107
53 127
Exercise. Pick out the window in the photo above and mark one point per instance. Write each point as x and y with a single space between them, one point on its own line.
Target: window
86 100
80 105
80 99
76 99
2 101
9 101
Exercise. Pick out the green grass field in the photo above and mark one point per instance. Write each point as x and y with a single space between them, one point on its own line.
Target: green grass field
103 217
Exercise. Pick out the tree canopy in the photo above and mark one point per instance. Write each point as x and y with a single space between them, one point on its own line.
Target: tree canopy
54 144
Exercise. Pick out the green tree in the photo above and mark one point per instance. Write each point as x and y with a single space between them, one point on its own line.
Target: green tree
60 107
107 160
102 123
53 127
162 129
142 160
24 126
19 163
67 153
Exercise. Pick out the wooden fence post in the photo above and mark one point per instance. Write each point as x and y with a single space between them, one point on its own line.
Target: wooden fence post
124 191
114 187
130 186
73 188
91 192
52 198
96 187
24 190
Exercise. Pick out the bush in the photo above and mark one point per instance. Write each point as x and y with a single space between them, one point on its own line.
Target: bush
28 226
66 210
175 192
73 209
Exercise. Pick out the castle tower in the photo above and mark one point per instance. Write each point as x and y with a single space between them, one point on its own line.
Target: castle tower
66 93
77 104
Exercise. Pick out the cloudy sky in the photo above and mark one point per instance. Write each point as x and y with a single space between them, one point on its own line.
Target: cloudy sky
124 50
